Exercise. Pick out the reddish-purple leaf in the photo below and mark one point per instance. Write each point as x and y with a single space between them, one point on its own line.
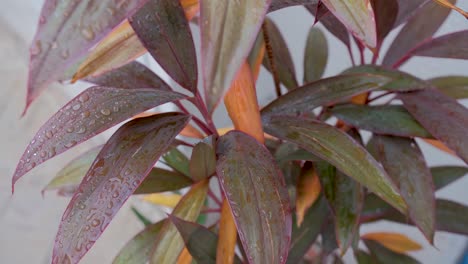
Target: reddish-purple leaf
118 170
228 33
279 4
406 9
130 76
454 46
385 12
442 116
257 195
332 24
418 28
67 29
412 176
164 31
88 114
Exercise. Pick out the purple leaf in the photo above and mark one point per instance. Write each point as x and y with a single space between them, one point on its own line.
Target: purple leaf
442 116
404 162
418 28
164 31
228 33
88 114
407 9
257 195
118 170
332 24
385 12
454 46
130 76
340 150
67 30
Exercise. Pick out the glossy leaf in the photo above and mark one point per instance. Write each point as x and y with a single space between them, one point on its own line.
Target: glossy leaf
338 149
412 176
257 195
130 76
170 43
227 36
308 191
442 116
168 243
279 4
281 56
453 86
385 12
242 106
386 256
72 174
225 251
138 249
323 92
118 170
381 119
88 114
66 30
316 55
452 46
304 236
416 30
175 159
444 175
203 161
396 242
357 16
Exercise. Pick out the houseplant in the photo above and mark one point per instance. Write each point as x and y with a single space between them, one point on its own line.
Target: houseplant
309 177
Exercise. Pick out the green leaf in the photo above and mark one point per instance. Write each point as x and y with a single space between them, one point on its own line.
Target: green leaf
452 217
227 35
66 30
404 162
444 175
257 195
452 46
88 114
281 56
363 257
386 256
168 243
138 249
175 159
305 99
453 86
170 43
316 55
161 180
118 170
304 236
340 150
203 161
382 119
442 116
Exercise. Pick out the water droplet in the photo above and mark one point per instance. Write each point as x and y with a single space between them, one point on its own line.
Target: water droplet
31 166
70 144
136 183
36 49
42 20
115 108
110 10
85 114
115 194
49 134
54 45
92 122
105 112
43 154
81 130
110 205
83 98
65 54
69 129
95 222
88 33
127 172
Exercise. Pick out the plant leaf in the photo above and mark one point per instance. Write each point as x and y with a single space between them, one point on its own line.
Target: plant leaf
88 114
316 55
385 12
382 119
203 162
256 56
386 256
227 35
363 257
161 180
407 9
119 168
453 86
191 131
304 236
308 191
452 217
175 159
281 56
338 149
442 116
322 92
452 6
185 257
280 4
444 175
452 46
225 251
416 30
163 199
170 43
168 243
145 221
357 16
396 242
138 249
257 195
66 30
72 174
